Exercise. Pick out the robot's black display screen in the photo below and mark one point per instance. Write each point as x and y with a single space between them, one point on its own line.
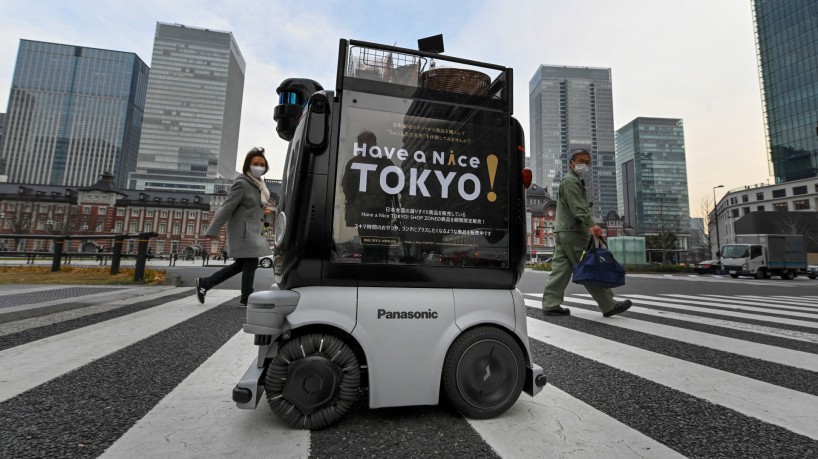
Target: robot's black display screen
421 183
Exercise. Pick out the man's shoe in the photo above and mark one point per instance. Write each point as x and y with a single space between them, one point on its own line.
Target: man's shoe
619 308
200 291
558 311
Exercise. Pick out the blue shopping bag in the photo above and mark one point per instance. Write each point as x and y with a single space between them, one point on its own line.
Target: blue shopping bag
598 268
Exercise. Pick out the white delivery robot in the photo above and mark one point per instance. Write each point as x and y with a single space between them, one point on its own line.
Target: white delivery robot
400 239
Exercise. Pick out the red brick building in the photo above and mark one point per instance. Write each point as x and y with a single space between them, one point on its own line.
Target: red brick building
179 218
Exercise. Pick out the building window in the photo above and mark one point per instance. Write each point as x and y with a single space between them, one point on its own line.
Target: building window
43 209
164 214
163 228
779 193
100 211
58 210
149 213
133 227
780 207
148 226
40 225
100 226
204 229
85 226
760 208
190 228
134 212
734 212
120 212
797 190
118 227
177 228
744 198
760 196
745 210
801 204
191 214
177 214
86 210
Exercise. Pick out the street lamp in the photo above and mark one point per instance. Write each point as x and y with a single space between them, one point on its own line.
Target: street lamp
716 214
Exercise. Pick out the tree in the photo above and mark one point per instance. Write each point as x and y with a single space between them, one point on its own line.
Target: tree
705 239
667 229
21 214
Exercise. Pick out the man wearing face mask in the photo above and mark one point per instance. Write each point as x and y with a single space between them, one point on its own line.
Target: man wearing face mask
243 211
573 227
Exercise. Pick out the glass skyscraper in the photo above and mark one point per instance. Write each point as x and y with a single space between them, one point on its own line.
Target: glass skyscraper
73 113
787 46
193 110
652 176
570 108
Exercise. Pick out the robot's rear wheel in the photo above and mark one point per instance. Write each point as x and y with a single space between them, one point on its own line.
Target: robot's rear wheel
484 372
313 381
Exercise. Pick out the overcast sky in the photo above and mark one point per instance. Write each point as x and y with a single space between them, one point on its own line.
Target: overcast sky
692 59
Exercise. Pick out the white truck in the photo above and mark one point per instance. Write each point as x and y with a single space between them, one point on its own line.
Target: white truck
765 255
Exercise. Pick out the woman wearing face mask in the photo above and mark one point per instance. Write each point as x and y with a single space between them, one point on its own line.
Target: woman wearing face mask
243 211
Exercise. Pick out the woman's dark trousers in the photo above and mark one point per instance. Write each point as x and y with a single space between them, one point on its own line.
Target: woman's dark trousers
245 266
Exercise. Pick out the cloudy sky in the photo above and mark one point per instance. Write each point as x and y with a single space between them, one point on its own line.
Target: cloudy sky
693 60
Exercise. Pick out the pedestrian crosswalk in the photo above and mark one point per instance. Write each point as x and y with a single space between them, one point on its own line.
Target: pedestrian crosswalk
678 375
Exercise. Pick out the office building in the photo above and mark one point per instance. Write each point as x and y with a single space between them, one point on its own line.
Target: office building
787 46
193 111
652 177
73 113
3 177
747 210
570 108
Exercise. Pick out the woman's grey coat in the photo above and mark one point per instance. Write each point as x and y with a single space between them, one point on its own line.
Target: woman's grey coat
244 214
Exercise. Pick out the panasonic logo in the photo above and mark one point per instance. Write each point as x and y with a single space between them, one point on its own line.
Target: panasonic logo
428 314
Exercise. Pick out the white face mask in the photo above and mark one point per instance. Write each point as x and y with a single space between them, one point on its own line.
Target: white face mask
582 169
257 171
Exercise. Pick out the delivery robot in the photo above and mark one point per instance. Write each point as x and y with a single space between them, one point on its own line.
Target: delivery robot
400 238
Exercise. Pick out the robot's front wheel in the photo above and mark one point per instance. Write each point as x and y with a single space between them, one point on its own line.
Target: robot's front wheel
313 381
484 372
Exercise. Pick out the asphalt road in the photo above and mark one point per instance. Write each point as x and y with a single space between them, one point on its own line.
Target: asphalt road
701 366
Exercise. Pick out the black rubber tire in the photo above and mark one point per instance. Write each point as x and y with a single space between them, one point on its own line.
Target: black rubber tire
788 275
734 276
484 372
266 262
325 346
761 274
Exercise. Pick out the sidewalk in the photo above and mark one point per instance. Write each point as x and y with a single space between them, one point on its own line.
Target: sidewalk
19 302
154 263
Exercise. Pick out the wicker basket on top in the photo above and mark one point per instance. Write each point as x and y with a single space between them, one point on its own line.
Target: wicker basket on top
461 81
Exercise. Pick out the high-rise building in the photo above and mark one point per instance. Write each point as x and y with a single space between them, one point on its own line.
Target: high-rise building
570 108
193 111
652 177
73 113
2 156
787 47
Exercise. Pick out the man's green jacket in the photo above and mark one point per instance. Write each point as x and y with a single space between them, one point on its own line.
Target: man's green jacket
573 209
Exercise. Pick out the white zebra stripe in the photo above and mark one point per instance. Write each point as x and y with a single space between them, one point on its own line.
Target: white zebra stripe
182 424
29 365
760 329
766 352
786 408
760 301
